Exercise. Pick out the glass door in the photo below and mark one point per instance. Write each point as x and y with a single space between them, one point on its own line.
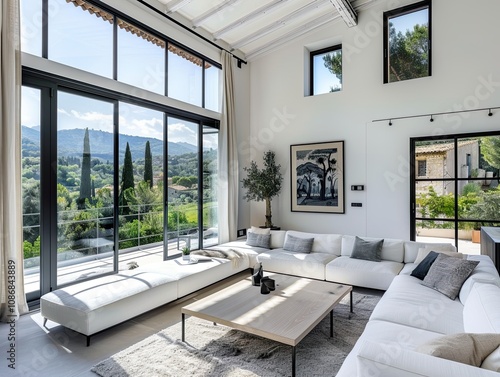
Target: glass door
30 159
183 204
85 187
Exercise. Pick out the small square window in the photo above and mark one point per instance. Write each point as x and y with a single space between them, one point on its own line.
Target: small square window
422 168
407 42
326 70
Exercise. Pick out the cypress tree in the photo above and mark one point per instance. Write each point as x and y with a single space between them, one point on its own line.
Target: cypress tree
85 185
127 179
148 165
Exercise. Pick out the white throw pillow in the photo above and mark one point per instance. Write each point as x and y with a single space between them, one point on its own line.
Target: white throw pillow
257 230
423 251
492 361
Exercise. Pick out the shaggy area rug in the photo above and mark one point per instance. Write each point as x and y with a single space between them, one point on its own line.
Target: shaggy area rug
220 351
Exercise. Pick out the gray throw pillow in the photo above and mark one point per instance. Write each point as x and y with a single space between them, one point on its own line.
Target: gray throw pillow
298 245
259 240
447 274
367 250
423 267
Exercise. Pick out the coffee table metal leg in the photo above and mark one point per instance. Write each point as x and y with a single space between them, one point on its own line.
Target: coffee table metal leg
293 361
331 323
183 327
350 296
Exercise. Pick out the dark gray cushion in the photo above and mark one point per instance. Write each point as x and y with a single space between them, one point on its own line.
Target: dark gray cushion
423 267
298 245
259 240
447 274
367 250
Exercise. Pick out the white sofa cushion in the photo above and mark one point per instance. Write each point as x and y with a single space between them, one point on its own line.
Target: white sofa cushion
482 309
310 265
485 272
411 249
409 363
392 249
323 243
362 273
91 306
390 338
277 238
409 303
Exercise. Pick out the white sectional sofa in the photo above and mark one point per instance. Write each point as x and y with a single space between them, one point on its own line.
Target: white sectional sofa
410 315
407 315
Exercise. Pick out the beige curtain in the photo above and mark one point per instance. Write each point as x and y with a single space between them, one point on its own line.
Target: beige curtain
228 158
12 298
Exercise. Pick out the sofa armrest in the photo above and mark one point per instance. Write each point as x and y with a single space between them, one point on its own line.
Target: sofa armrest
391 360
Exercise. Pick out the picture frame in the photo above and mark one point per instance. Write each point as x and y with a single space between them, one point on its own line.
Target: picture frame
317 177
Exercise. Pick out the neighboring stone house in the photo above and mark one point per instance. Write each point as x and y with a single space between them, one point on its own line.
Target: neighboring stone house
438 161
174 191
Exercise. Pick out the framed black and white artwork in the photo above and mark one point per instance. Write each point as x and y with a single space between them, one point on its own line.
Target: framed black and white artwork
317 177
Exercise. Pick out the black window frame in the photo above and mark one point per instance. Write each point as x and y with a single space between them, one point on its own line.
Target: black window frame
401 12
322 51
455 180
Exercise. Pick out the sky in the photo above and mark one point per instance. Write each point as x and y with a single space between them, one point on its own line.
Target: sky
83 41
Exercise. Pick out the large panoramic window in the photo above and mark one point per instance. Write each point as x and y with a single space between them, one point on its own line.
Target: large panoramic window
112 180
407 42
326 70
457 193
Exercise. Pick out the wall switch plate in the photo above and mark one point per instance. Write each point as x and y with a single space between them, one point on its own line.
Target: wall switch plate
356 204
242 232
357 187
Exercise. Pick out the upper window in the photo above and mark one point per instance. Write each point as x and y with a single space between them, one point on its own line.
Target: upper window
94 39
407 42
79 39
326 70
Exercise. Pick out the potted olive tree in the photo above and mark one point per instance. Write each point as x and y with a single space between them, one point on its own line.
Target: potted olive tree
263 184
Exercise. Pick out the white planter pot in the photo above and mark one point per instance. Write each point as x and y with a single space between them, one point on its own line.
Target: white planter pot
186 257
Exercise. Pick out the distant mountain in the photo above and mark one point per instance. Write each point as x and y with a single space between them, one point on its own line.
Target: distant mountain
70 143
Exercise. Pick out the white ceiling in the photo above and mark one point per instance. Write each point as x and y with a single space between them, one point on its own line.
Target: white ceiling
250 28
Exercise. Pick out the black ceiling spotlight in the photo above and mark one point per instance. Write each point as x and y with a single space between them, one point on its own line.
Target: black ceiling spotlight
432 119
490 113
390 122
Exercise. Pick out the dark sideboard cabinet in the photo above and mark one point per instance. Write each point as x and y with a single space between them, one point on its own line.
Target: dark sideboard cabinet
490 244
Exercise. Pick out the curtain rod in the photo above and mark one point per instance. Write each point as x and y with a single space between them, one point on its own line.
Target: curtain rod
431 115
156 10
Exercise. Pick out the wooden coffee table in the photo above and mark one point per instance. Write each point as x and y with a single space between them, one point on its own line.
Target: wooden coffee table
286 315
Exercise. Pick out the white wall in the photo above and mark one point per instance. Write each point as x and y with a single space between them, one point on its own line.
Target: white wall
466 54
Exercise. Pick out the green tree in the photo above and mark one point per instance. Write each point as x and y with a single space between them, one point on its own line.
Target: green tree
143 197
333 62
127 180
85 182
148 165
31 211
490 148
409 53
